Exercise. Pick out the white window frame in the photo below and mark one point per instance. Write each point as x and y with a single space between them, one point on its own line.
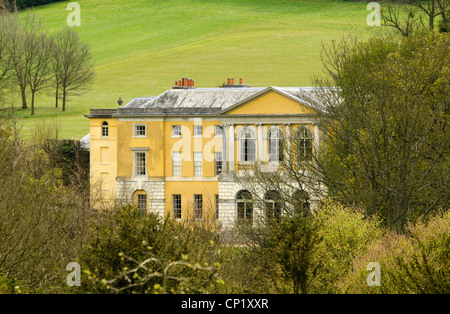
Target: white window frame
275 153
218 158
176 207
176 164
139 203
220 133
105 127
135 129
198 164
198 206
175 130
198 130
136 163
241 143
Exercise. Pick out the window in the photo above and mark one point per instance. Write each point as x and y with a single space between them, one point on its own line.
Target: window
176 206
141 163
275 144
198 130
300 202
273 205
217 130
218 162
216 204
244 203
247 145
142 202
176 130
140 130
304 140
198 206
176 164
105 130
198 164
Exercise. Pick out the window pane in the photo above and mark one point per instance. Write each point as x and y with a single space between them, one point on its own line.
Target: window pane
176 130
140 164
198 164
142 202
218 162
198 130
140 130
176 164
217 130
105 130
176 205
198 206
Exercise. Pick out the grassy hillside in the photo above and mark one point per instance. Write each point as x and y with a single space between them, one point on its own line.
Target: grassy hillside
142 46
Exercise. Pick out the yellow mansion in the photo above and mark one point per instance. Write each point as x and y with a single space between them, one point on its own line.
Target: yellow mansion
175 154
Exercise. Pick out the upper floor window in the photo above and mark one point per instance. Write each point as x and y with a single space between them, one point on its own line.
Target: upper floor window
140 130
247 145
304 144
105 130
176 164
140 163
198 164
217 130
198 130
176 130
275 144
218 163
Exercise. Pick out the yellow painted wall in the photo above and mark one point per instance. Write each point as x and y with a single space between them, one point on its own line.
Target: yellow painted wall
103 161
272 103
187 191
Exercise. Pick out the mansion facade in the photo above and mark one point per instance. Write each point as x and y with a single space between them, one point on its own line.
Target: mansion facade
177 154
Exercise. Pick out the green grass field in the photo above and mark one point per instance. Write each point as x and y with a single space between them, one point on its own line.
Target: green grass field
141 47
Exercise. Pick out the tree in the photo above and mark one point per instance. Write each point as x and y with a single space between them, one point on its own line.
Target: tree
408 16
5 58
72 63
387 123
40 73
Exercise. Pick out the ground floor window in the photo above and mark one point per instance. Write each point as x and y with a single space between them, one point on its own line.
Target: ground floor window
244 202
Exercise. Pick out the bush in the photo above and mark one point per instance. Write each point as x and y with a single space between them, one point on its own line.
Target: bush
418 262
129 252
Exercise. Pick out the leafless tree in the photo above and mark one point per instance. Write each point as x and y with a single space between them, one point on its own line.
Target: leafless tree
72 64
408 16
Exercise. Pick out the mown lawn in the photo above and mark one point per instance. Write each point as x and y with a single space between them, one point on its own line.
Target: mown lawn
140 47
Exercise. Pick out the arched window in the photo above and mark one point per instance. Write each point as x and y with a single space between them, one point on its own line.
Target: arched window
247 145
300 202
304 144
275 144
244 201
273 205
140 199
105 131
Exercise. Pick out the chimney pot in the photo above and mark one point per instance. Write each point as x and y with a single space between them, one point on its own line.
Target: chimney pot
241 82
232 81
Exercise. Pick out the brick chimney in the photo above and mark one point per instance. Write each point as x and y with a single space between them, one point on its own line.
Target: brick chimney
184 83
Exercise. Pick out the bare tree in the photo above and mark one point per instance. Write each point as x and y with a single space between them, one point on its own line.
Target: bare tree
40 73
73 65
408 16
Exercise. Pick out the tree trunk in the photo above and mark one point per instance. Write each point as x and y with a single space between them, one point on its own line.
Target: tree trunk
64 99
57 95
32 102
24 97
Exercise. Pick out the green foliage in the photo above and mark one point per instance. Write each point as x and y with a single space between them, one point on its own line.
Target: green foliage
178 258
414 263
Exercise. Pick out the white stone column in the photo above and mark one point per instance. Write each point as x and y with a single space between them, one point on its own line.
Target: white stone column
288 140
224 148
260 143
231 147
316 139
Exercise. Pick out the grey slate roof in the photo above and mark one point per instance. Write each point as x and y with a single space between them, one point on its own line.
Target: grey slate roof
210 100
